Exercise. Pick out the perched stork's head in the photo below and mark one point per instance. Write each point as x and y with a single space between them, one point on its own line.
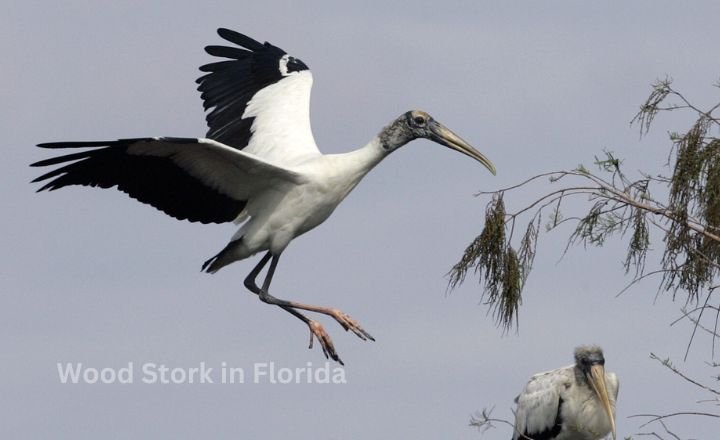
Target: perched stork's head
418 124
591 363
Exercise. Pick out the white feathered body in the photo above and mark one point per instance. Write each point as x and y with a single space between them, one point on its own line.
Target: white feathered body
298 208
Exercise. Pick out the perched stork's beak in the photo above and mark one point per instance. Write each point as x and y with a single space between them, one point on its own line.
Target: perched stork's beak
442 135
596 377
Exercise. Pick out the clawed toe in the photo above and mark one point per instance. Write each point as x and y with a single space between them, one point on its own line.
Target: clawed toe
350 324
318 331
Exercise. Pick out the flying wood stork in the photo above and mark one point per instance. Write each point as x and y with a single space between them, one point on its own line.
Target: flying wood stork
258 165
571 403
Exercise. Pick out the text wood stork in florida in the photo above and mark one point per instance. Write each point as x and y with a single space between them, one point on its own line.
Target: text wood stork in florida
257 166
571 403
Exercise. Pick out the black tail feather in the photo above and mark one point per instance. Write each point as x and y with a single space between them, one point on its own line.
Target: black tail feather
222 259
208 263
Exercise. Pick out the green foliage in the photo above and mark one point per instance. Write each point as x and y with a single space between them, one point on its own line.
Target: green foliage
496 262
639 242
691 255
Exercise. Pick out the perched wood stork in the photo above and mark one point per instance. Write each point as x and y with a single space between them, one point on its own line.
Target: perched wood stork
258 166
576 402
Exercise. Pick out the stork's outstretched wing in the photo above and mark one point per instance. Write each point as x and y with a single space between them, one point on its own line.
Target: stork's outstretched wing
259 99
199 180
538 407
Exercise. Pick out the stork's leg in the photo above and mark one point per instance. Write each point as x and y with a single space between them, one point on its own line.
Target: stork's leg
316 329
342 318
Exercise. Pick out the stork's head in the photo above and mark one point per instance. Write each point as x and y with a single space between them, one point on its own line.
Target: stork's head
418 124
591 363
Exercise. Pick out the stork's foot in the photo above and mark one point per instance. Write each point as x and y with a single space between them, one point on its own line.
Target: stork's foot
318 331
350 324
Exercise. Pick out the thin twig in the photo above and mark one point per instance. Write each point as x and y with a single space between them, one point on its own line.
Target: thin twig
656 417
666 363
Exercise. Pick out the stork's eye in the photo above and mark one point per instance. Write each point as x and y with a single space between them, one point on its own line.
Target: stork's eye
419 120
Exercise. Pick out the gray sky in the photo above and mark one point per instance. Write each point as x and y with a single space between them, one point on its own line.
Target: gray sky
94 277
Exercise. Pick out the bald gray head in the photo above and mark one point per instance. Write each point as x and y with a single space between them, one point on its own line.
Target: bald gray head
588 355
418 124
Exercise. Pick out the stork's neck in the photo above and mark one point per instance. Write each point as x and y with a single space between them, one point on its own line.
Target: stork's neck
356 164
347 169
579 375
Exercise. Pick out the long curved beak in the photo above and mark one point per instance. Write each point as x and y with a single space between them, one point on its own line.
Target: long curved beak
443 136
597 381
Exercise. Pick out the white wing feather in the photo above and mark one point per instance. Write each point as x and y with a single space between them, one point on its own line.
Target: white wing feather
282 133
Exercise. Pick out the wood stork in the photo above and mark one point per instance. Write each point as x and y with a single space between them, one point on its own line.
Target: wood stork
258 165
576 402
